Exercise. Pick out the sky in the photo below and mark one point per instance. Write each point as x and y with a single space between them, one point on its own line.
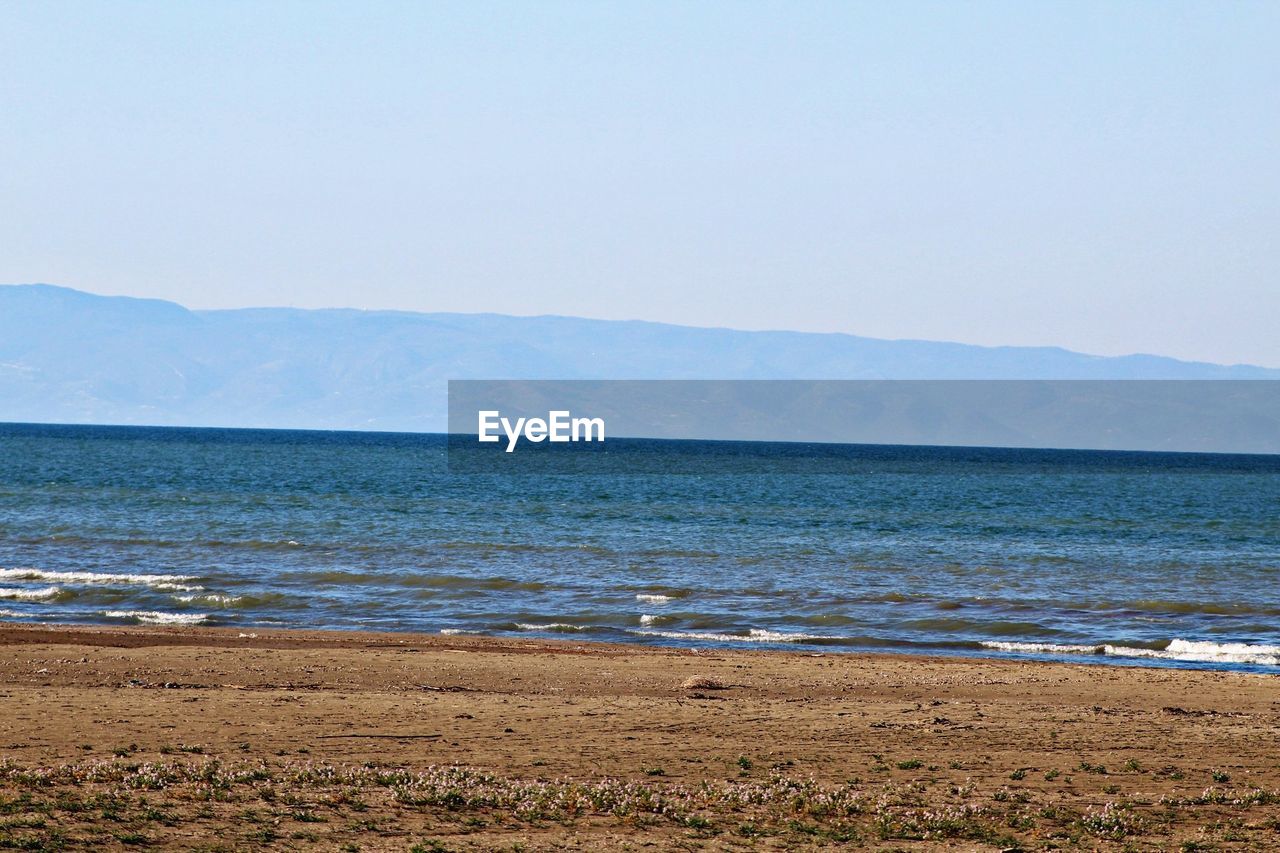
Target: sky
1099 176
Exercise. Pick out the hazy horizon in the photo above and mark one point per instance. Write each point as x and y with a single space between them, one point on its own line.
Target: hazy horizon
779 330
67 356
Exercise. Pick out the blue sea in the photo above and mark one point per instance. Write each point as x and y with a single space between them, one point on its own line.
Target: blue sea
1148 558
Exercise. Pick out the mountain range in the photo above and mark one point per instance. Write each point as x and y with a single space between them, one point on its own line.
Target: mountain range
67 356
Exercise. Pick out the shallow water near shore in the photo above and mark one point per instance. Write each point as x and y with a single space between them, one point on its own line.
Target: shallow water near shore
1167 559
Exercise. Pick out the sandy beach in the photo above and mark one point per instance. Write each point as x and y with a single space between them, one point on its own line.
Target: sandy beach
226 739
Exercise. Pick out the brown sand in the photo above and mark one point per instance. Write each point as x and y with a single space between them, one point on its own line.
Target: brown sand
914 752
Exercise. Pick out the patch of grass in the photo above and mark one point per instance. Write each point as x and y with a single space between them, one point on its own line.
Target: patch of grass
49 841
949 823
1113 822
264 836
153 814
255 804
1226 797
428 846
910 764
133 839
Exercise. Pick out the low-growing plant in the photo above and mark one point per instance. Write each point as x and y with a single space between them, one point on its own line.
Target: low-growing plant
1111 821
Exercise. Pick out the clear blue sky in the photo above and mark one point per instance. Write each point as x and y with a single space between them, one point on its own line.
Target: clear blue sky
1102 176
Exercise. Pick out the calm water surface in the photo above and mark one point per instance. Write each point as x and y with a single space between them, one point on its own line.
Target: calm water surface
1116 557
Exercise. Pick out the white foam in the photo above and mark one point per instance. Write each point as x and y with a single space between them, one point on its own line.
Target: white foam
170 582
9 613
1191 651
210 598
1043 648
449 632
1206 652
652 598
15 594
552 626
647 619
152 617
760 635
756 635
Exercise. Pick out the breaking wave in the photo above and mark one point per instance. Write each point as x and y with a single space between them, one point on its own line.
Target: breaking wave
13 594
755 635
552 627
152 617
181 583
1190 651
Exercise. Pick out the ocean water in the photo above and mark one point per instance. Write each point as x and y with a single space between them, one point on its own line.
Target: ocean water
1167 559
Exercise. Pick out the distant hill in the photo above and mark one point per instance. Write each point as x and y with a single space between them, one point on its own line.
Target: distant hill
72 357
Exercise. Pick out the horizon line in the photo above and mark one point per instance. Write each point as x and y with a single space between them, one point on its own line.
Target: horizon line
634 321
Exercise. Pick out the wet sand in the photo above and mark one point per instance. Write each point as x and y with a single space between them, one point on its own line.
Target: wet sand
198 738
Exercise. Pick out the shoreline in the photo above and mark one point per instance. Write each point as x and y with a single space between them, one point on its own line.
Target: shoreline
1098 654
1017 752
